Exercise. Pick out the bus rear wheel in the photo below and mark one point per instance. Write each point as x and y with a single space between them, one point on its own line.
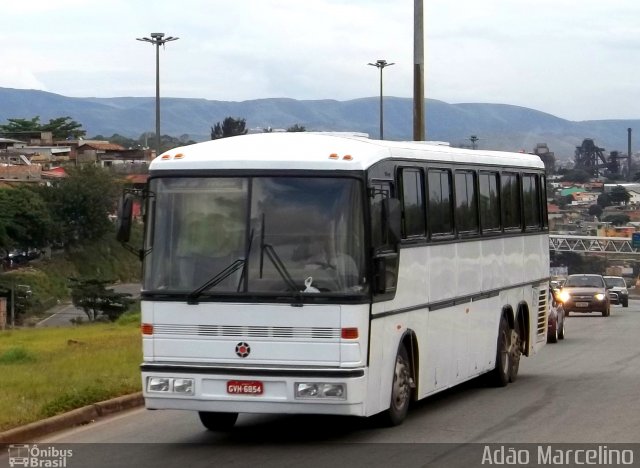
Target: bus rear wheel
515 351
400 390
501 374
218 422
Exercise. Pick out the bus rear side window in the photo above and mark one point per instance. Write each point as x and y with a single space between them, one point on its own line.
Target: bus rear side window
510 192
531 201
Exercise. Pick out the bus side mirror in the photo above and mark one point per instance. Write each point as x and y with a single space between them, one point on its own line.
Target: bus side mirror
392 219
125 215
385 273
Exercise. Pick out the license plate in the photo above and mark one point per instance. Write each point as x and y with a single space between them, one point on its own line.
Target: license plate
582 304
245 387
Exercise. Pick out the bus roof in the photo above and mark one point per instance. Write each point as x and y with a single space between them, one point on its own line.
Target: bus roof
308 150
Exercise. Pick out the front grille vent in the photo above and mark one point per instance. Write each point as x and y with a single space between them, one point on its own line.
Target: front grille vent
247 331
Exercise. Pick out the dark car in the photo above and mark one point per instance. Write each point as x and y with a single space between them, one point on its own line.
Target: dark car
555 327
585 293
618 293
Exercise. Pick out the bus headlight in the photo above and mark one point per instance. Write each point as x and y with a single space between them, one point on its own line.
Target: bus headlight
305 390
184 386
158 384
170 385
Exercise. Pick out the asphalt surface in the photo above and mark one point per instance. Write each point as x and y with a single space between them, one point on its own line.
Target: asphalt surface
62 314
93 412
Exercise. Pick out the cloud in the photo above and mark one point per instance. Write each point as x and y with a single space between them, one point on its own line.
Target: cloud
573 59
19 77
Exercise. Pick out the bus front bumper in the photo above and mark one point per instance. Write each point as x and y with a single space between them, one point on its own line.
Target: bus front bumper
293 390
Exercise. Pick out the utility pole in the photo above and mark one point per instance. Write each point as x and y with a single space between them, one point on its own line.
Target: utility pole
381 64
474 141
157 39
629 174
418 72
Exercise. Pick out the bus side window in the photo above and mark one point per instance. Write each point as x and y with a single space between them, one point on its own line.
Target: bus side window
531 202
440 205
489 202
510 195
381 191
385 255
413 218
466 203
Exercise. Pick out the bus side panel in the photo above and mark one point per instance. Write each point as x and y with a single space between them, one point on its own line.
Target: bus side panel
468 264
513 262
492 263
387 331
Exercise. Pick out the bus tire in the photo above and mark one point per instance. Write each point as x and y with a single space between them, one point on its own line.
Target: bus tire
500 375
217 422
400 390
515 353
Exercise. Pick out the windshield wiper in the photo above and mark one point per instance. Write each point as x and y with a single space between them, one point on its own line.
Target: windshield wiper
280 267
192 298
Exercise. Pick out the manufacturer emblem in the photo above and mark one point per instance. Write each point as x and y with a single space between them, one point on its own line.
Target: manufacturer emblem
243 349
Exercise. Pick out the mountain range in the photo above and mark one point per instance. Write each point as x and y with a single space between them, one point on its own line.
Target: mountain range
497 126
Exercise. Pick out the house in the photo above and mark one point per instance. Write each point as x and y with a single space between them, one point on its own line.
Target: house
585 198
634 195
110 154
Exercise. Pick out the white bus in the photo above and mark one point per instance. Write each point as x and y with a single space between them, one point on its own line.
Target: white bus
327 274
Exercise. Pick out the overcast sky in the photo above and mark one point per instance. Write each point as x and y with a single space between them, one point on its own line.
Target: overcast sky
576 59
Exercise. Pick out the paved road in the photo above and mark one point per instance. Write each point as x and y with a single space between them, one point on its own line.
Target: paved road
62 314
583 389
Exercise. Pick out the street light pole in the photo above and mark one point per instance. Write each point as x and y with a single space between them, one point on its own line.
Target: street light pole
157 39
381 64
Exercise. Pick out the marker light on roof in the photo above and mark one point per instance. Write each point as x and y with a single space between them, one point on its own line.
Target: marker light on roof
333 156
165 156
347 157
178 156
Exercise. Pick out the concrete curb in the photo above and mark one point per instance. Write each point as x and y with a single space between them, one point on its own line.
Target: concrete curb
75 417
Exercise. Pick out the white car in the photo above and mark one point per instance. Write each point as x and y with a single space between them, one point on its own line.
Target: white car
617 287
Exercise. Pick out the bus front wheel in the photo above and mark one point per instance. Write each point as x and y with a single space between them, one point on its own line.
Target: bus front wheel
400 389
218 422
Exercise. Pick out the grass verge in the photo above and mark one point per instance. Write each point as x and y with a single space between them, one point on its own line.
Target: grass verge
50 371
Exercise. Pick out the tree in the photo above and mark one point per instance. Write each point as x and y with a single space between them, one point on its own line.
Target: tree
228 128
64 128
617 219
21 125
81 203
577 175
296 128
61 127
596 210
619 195
96 300
564 201
25 220
604 200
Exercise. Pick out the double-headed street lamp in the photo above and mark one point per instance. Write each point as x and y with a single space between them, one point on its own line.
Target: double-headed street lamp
381 64
157 39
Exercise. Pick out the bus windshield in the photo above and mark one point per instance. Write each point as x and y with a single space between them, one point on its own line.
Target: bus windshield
255 235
